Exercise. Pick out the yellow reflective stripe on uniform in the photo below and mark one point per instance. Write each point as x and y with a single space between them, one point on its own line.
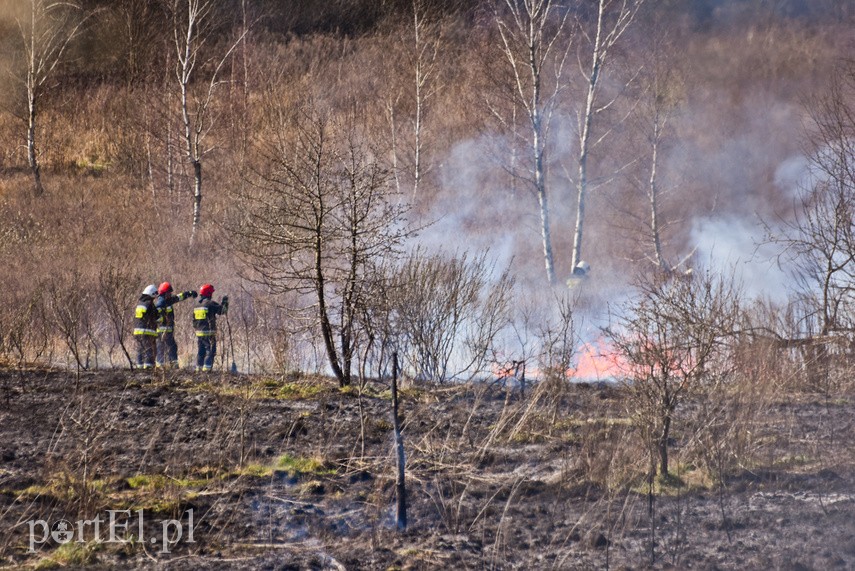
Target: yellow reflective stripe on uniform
200 313
169 309
141 309
143 331
205 333
165 329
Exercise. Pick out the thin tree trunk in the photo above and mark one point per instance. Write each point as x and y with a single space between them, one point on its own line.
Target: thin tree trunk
417 124
663 445
546 235
326 326
584 150
540 185
653 196
32 155
197 198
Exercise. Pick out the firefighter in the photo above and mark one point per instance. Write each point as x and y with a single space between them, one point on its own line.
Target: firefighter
205 323
145 327
167 348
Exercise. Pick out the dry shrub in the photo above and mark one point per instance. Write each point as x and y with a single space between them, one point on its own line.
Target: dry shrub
608 455
723 424
116 293
25 325
450 311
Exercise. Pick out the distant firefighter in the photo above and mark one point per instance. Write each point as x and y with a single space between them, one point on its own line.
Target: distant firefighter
145 327
167 348
205 323
580 272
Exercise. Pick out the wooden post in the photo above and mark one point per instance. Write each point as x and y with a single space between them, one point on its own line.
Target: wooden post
400 483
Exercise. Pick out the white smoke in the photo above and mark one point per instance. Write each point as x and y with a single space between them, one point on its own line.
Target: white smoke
743 244
738 245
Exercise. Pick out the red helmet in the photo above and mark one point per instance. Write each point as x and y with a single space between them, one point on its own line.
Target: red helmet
206 290
164 288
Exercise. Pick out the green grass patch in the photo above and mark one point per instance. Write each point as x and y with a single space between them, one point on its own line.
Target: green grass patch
297 466
167 506
297 391
294 466
160 493
71 554
63 487
160 482
255 471
261 389
414 394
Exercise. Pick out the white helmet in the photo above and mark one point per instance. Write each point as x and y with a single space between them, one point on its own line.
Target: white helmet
150 290
582 268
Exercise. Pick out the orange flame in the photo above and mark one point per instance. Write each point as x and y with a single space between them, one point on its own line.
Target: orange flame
597 361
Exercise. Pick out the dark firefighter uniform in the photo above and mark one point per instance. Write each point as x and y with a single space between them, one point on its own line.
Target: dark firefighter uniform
145 331
205 323
167 348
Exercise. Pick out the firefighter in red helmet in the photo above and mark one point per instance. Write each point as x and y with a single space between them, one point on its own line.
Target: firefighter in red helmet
205 323
167 348
145 327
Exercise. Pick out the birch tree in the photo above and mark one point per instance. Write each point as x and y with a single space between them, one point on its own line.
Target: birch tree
47 31
661 91
197 75
535 41
421 47
611 21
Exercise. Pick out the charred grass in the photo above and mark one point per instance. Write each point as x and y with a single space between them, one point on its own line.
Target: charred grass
296 473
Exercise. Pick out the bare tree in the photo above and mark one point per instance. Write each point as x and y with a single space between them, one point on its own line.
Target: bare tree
26 325
197 75
558 338
658 103
535 40
133 33
46 33
318 222
421 48
673 339
820 240
68 300
612 19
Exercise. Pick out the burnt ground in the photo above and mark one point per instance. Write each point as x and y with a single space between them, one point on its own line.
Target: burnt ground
296 474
